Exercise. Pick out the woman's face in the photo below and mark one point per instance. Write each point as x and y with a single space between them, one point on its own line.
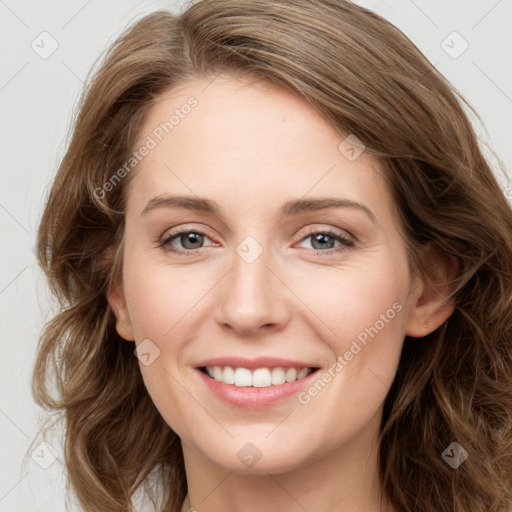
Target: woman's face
258 249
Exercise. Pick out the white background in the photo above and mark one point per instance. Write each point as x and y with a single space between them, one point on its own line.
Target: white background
37 100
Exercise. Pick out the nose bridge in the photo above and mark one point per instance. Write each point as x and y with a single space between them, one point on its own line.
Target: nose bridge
253 297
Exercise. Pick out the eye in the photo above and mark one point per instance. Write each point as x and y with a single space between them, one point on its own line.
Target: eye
191 241
325 240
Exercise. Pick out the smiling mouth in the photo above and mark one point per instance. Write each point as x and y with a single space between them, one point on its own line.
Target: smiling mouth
257 377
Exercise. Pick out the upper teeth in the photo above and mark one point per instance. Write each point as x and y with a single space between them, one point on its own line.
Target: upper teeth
258 378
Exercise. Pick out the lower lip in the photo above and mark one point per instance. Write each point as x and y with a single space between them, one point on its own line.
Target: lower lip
248 396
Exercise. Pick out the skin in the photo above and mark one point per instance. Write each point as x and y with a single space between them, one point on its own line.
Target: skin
250 147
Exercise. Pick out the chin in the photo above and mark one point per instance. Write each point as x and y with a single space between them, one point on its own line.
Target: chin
258 455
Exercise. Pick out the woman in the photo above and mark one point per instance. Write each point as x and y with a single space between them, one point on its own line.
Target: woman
338 335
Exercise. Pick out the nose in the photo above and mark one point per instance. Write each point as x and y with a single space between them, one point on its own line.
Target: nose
254 299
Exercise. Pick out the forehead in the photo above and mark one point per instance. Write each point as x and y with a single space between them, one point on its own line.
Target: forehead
229 136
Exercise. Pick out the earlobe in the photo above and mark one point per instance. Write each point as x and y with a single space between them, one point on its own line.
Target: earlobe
117 303
116 298
432 305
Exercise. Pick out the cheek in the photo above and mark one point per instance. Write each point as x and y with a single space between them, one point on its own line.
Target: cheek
360 314
345 302
161 298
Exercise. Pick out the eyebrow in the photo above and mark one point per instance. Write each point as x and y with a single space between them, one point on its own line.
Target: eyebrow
290 208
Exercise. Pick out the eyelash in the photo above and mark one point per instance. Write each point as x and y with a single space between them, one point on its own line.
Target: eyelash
345 241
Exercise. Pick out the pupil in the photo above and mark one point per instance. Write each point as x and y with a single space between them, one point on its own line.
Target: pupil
320 237
193 238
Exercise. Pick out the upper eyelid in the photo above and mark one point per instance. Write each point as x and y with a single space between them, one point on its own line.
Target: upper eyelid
172 232
337 231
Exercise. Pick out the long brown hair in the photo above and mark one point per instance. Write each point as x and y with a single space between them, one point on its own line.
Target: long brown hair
368 79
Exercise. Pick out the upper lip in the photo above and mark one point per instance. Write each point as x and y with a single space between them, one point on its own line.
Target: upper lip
258 362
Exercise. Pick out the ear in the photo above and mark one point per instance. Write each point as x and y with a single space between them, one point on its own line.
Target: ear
430 306
117 302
